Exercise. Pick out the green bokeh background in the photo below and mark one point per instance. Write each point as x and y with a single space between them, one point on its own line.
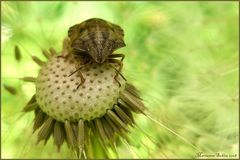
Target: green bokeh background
182 56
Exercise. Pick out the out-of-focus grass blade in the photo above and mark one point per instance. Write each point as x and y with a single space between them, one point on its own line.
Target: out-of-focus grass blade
10 89
17 53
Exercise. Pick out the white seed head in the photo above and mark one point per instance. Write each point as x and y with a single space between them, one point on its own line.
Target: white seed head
58 96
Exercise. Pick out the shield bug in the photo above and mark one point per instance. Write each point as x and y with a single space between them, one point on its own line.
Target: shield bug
96 40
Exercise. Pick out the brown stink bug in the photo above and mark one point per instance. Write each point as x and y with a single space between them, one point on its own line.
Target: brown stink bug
96 40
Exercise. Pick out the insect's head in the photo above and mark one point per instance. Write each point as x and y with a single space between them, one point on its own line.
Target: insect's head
97 38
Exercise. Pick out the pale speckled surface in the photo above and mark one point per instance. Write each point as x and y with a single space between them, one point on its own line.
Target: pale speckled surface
58 96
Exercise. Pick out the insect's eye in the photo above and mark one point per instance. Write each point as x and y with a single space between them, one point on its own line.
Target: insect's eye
112 29
80 30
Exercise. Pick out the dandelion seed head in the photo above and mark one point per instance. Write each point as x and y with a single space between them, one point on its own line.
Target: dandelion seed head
62 86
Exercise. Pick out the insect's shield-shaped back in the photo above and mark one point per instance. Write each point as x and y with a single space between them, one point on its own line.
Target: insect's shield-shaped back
97 37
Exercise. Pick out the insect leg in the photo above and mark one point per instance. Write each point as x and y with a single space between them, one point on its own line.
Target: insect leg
117 56
113 60
89 62
76 70
82 79
80 73
117 70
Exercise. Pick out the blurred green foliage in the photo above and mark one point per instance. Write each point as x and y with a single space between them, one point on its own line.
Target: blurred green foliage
183 56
